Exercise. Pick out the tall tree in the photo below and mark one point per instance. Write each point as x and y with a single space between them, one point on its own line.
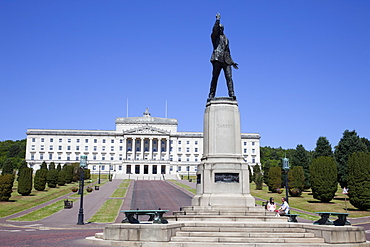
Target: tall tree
324 178
25 181
274 178
258 178
21 166
8 167
68 173
296 179
44 166
52 177
359 180
61 176
6 186
301 157
323 148
366 142
348 144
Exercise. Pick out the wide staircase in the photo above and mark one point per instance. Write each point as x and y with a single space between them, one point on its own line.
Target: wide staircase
244 234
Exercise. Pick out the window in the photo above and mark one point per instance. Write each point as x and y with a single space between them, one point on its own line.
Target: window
78 140
103 148
95 140
94 167
187 159
196 142
253 160
196 159
120 168
50 156
112 158
68 157
103 140
179 142
86 148
120 157
59 157
120 148
42 139
179 158
103 167
196 150
42 147
112 148
121 141
103 158
94 157
179 168
179 149
77 157
171 168
60 139
77 148
188 142
32 157
51 139
69 140
253 151
68 147
95 148
253 143
188 168
86 140
111 141
51 147
41 156
33 147
187 150
245 143
33 139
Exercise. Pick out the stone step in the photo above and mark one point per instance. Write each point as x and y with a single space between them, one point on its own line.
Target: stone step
247 234
99 235
242 229
245 240
207 244
226 218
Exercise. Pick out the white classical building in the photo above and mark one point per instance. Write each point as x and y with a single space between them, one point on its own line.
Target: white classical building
140 146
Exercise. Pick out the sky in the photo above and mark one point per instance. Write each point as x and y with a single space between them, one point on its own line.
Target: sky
304 66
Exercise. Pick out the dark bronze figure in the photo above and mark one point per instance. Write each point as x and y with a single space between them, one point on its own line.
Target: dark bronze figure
221 59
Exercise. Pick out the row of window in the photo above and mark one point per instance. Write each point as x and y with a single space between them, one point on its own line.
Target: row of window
69 140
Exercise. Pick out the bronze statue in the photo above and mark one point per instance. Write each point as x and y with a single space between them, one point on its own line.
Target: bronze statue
221 59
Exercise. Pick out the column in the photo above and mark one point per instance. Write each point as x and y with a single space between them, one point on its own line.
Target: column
142 147
150 148
133 146
124 148
167 148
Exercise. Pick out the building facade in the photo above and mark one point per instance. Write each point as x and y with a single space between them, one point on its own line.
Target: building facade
139 146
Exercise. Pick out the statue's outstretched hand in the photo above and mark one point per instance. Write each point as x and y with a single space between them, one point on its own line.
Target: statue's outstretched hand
218 16
235 65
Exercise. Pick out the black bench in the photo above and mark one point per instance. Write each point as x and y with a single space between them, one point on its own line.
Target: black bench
68 204
154 215
324 220
292 217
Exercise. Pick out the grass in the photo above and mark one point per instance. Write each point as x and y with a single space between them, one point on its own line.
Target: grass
108 212
188 188
307 203
119 192
42 212
18 203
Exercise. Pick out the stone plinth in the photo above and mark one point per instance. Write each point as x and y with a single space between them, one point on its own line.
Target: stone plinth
222 176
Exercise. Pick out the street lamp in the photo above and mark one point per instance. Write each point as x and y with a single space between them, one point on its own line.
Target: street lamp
99 173
188 172
109 173
286 169
83 163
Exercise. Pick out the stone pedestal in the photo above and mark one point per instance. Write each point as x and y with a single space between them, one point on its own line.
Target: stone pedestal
222 176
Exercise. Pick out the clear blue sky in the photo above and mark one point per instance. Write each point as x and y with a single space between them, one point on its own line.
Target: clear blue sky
304 65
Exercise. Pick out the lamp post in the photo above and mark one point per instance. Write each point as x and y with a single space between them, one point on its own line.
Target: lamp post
188 172
83 163
286 169
109 173
99 173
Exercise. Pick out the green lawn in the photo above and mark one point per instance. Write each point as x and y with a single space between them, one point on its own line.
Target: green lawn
108 212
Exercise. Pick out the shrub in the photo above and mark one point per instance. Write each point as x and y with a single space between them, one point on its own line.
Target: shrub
25 181
359 180
40 179
52 178
296 178
274 178
6 186
68 172
258 178
324 184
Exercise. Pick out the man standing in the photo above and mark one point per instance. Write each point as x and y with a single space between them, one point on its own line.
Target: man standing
221 59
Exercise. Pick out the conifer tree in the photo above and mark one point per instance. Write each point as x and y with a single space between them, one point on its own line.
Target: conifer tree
301 157
68 173
296 179
8 167
258 178
274 178
25 181
40 179
323 178
44 166
359 180
6 186
323 148
52 177
21 166
348 144
61 176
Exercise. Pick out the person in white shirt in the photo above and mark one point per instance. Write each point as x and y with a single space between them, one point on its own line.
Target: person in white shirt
271 205
284 209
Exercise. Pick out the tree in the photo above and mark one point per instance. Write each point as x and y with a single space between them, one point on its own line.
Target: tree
8 167
40 179
348 144
25 181
21 166
323 148
251 176
324 178
61 176
44 166
68 173
258 178
366 142
274 178
296 179
6 186
87 174
301 158
359 180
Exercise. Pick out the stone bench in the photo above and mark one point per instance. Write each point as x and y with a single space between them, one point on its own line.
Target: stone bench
154 215
324 220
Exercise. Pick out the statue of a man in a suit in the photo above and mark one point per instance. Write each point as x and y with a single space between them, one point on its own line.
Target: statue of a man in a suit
221 59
